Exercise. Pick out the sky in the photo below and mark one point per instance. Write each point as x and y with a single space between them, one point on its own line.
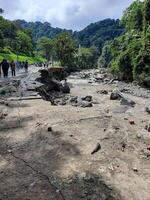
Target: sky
69 14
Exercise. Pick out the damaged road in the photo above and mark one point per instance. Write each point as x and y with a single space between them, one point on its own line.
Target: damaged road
45 150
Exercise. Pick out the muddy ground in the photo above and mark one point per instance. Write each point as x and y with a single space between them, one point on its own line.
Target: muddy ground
37 164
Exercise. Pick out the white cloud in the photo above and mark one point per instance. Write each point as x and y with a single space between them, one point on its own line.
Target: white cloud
64 13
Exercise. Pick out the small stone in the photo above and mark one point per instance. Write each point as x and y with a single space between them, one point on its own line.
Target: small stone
135 169
97 148
102 92
9 151
49 129
132 122
139 136
148 148
147 109
125 118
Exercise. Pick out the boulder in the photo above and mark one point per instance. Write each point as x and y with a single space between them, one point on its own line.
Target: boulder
115 95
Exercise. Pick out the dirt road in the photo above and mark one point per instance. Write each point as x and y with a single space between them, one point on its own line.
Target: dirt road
36 164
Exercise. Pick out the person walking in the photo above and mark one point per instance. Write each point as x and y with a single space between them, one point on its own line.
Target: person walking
5 68
26 65
13 68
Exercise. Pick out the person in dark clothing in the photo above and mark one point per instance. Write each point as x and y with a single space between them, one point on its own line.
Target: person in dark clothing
26 66
5 68
13 68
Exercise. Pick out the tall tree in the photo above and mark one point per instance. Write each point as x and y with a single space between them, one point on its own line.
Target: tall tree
46 46
65 49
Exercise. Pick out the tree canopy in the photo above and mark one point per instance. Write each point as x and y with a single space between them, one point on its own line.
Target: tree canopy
130 53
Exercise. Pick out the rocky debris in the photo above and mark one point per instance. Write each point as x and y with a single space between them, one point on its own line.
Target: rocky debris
3 113
96 149
147 109
133 89
87 98
147 127
83 102
102 92
146 152
52 88
117 95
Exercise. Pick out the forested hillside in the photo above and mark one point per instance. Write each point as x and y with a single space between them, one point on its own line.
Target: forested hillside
98 33
40 29
129 54
95 34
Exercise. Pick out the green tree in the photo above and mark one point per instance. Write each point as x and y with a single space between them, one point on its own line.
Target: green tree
133 16
87 58
46 46
1 40
105 58
24 43
65 49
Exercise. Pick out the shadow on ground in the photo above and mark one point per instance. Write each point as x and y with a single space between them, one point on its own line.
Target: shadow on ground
28 171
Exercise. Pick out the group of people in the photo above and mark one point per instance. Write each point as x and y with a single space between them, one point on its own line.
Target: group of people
5 65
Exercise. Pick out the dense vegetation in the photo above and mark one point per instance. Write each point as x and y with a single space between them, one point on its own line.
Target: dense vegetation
40 29
13 39
96 34
16 43
93 35
21 37
129 54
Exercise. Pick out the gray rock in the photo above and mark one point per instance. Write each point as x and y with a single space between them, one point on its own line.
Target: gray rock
65 88
147 127
127 102
85 104
102 92
147 109
115 95
87 98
